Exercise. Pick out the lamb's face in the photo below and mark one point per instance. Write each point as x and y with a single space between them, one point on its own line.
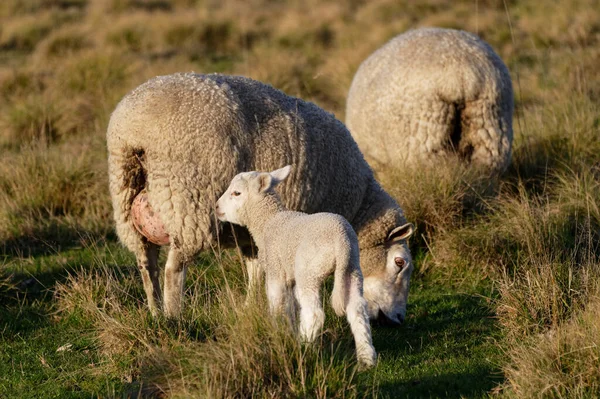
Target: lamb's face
229 206
243 187
387 271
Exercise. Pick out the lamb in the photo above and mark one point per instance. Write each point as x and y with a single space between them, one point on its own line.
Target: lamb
174 144
300 251
433 93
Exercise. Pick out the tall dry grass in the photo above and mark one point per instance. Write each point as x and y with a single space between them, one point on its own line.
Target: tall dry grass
45 195
530 234
562 363
220 348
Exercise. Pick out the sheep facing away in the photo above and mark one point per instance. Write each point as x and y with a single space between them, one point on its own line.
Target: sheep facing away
430 93
175 143
298 252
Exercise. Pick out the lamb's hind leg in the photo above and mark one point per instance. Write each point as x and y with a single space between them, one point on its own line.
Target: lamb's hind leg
356 313
175 271
312 315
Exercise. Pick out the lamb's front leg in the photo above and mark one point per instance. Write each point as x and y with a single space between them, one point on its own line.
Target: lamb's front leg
255 276
175 271
276 295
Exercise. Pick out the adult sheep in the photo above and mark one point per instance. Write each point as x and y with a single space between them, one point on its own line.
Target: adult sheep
431 93
175 143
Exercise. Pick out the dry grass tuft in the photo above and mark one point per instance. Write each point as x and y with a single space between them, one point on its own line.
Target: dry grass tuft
562 363
42 191
441 199
219 349
532 233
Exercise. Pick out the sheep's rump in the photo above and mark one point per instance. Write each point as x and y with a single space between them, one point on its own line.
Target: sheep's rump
429 93
183 137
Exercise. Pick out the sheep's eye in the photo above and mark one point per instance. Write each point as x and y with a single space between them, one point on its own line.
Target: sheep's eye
400 262
236 193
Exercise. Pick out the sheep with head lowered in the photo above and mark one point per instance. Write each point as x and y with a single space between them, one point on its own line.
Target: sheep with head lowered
299 251
433 93
175 143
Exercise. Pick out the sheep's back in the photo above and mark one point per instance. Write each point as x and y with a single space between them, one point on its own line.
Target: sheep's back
198 131
415 83
329 173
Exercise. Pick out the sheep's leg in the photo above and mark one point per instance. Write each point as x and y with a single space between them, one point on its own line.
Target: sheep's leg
312 316
126 181
276 294
148 265
175 271
486 135
255 276
356 313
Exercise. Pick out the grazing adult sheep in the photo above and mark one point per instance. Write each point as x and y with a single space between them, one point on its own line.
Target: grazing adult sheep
175 143
429 93
299 251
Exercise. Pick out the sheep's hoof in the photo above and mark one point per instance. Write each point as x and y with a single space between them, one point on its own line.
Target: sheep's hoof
147 222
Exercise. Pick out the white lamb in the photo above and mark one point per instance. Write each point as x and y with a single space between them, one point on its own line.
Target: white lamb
301 249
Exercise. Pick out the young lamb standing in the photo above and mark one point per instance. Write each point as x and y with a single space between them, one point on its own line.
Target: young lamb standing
301 249
432 93
175 143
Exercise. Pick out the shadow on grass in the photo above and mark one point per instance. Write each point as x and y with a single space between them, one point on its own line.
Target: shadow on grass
452 384
51 240
533 162
440 351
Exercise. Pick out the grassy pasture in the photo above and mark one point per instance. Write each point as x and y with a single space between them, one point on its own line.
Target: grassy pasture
504 299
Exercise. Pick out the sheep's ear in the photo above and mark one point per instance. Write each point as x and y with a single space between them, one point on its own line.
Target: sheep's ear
264 182
401 232
280 175
267 181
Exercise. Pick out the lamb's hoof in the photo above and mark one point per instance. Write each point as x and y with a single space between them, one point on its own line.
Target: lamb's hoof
147 222
366 362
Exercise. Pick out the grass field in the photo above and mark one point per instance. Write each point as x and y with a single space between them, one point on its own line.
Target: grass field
504 298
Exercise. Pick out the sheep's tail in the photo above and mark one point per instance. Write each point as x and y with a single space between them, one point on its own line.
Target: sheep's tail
346 264
133 174
127 176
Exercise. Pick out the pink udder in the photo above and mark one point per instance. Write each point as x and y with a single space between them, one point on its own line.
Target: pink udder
147 222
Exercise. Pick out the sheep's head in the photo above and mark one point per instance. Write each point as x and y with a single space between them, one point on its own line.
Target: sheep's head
386 288
245 187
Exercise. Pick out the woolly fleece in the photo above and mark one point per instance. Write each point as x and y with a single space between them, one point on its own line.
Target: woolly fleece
429 93
183 137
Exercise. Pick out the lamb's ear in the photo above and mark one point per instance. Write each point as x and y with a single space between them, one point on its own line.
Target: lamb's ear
401 232
267 181
280 175
264 182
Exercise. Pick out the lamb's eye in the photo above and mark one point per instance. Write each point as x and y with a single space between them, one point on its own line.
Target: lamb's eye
400 262
236 193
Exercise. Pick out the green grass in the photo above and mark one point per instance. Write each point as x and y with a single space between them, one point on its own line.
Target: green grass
447 346
504 297
32 333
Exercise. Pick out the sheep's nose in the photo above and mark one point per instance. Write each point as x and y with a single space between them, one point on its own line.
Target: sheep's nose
217 207
383 320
